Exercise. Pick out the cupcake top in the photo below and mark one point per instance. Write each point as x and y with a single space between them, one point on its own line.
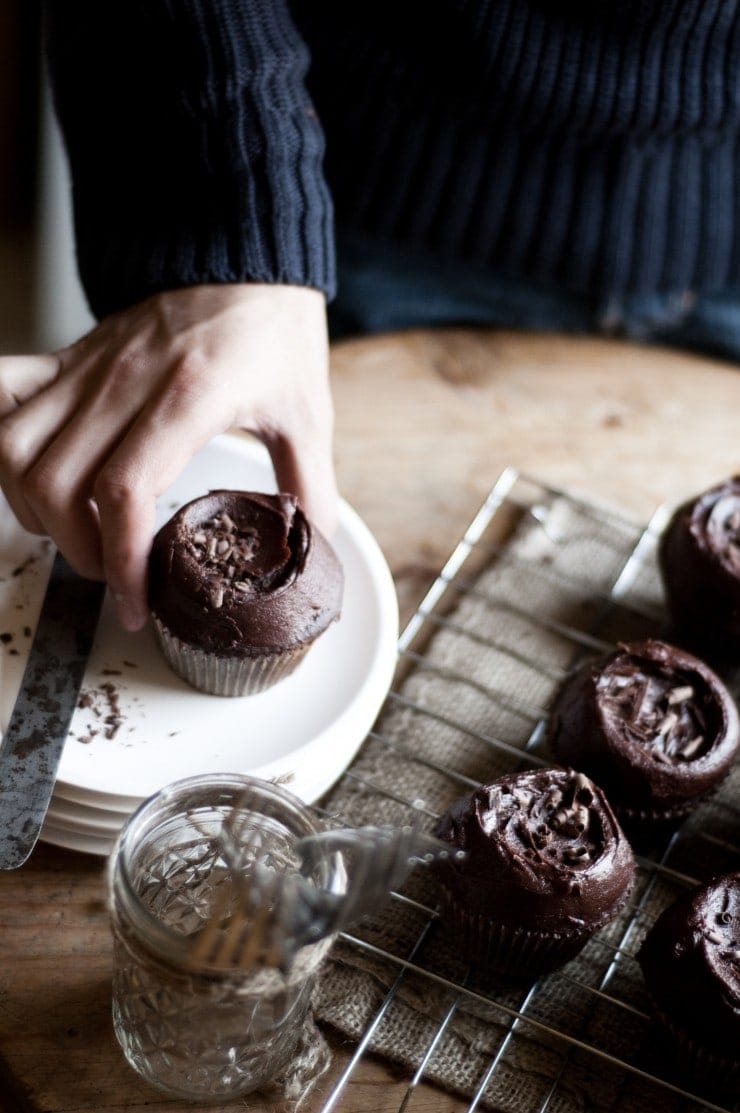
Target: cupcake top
690 960
652 723
712 520
235 571
544 852
699 559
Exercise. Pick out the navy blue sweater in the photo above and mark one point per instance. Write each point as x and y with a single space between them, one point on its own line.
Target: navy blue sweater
591 145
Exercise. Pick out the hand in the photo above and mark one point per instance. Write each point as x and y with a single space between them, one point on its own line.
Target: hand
91 435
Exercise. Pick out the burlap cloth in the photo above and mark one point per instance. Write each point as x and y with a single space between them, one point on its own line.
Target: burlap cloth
484 682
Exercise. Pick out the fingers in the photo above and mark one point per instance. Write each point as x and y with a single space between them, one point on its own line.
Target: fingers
33 404
33 477
149 458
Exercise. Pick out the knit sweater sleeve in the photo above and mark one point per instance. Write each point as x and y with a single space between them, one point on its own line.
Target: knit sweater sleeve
195 152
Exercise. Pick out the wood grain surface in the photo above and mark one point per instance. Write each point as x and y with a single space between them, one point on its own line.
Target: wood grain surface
425 424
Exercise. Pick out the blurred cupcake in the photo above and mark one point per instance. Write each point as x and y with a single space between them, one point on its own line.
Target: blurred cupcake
690 960
545 866
653 725
240 587
699 559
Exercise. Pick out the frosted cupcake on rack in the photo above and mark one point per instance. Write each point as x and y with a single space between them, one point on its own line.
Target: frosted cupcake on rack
653 725
545 866
241 585
690 960
699 560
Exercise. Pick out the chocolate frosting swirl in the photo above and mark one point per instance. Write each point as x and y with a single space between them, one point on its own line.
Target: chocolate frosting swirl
699 558
240 572
654 725
543 851
690 960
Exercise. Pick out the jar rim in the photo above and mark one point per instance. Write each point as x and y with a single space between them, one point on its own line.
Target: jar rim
211 790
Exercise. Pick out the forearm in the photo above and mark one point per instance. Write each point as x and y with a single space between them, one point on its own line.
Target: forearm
194 150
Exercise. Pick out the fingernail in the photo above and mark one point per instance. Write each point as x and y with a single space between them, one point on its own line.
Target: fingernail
130 617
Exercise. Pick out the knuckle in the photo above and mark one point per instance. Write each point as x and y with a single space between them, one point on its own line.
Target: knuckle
128 367
123 379
189 379
42 489
116 487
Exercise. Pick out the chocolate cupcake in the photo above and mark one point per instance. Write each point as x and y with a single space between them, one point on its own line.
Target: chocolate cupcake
240 586
653 725
699 560
690 960
545 866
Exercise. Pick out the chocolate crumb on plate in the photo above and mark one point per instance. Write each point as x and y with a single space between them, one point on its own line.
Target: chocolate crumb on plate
104 702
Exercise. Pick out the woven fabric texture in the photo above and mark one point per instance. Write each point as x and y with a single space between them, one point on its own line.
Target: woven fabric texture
471 709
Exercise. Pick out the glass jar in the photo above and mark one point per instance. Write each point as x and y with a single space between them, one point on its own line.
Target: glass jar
204 1032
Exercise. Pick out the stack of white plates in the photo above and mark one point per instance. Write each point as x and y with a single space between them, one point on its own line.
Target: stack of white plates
138 727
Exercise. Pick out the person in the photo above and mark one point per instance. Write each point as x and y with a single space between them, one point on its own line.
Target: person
570 166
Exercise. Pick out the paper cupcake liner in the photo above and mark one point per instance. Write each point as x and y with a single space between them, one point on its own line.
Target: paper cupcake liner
672 814
226 676
511 950
697 1061
641 824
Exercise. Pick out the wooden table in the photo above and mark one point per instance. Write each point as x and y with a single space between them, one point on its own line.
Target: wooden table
425 424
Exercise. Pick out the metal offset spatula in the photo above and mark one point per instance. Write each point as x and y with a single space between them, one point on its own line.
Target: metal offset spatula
269 914
31 748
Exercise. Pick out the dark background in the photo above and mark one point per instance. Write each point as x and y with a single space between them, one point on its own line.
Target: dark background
19 98
19 140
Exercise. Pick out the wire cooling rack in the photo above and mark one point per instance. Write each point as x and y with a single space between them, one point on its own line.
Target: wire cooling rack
592 1017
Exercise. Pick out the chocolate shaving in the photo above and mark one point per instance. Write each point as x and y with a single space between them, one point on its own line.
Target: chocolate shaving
680 695
225 551
576 853
690 748
663 714
582 818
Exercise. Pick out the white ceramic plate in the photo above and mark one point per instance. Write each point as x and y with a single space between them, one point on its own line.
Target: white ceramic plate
307 728
79 817
77 840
